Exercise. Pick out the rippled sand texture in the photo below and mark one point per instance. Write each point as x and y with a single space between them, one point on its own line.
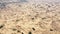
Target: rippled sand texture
30 18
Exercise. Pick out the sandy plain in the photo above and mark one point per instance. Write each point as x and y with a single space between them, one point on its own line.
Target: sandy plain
30 18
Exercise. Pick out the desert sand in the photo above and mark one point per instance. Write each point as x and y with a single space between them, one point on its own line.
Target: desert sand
30 18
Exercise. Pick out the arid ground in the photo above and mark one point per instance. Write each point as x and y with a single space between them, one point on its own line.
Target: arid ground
32 17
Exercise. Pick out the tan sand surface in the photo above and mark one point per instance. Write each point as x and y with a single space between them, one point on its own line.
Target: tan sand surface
30 18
